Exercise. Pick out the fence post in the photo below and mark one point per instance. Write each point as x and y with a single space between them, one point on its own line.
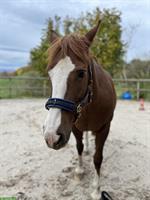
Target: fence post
138 90
44 88
10 87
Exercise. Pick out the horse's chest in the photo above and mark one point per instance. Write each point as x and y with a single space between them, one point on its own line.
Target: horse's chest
88 120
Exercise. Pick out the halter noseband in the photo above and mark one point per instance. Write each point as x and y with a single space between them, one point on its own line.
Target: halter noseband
71 106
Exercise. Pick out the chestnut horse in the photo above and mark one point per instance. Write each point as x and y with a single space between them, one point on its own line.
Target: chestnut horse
83 98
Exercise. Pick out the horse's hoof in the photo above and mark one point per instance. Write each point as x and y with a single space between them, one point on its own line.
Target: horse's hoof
79 171
78 177
94 184
95 195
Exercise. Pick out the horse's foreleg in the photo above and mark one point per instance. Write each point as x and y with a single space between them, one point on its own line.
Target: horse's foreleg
79 144
100 138
86 142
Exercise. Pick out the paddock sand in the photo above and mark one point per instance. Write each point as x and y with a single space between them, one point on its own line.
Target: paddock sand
30 170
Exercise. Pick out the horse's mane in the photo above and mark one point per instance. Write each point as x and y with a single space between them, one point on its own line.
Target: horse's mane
71 45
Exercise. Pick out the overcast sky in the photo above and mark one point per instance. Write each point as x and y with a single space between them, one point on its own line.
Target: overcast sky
22 21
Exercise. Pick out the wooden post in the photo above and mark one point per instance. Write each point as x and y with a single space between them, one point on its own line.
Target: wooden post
10 87
138 90
44 88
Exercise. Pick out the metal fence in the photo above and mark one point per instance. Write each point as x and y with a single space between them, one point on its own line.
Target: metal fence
19 86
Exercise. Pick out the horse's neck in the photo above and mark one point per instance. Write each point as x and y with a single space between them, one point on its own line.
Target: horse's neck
97 69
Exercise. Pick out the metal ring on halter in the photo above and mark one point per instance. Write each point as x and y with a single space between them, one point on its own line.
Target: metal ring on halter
79 109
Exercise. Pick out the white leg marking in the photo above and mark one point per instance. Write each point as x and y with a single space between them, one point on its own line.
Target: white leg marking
79 170
87 142
96 184
96 195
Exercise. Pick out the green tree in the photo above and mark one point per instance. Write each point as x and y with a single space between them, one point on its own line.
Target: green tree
39 54
139 69
67 24
108 47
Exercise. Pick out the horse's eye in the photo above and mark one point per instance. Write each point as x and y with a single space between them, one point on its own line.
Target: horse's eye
81 73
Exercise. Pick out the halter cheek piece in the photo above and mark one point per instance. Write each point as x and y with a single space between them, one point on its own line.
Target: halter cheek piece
71 106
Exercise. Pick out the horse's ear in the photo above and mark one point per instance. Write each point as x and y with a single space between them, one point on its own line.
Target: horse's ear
91 34
53 36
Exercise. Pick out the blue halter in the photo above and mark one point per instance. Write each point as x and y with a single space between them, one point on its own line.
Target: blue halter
71 106
61 103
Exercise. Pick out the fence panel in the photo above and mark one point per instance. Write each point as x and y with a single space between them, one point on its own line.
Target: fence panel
16 87
138 87
19 86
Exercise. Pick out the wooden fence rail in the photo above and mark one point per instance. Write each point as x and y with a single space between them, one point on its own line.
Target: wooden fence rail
18 86
141 86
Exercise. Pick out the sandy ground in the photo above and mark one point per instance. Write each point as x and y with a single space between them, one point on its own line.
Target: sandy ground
30 170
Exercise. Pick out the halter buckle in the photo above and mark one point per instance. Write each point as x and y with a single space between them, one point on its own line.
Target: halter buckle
79 109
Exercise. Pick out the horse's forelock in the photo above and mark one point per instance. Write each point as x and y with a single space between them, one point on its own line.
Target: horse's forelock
71 45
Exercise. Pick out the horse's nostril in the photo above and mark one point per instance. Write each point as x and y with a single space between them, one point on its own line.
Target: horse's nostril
47 142
51 139
60 138
56 141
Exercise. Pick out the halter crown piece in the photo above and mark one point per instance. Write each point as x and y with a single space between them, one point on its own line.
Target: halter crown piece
71 106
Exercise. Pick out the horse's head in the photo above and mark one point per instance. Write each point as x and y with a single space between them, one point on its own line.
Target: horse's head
68 71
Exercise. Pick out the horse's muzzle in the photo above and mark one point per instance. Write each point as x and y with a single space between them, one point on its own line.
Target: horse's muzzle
62 141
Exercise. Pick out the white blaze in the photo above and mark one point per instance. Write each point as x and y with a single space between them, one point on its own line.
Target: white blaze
58 75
